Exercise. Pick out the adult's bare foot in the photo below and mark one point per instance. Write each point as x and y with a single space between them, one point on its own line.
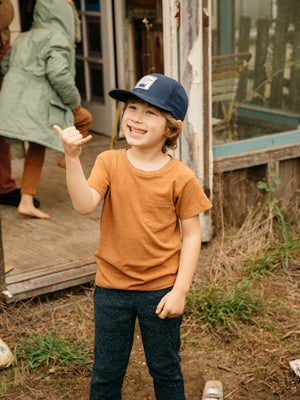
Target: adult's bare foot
26 207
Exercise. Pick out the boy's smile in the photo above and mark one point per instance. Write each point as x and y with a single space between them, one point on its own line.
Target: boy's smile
136 131
143 125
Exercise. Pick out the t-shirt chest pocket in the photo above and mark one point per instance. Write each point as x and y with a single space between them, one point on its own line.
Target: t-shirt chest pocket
159 216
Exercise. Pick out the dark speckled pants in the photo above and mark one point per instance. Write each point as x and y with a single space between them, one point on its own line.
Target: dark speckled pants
115 315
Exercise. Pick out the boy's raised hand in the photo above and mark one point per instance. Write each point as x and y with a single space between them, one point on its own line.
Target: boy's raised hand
72 140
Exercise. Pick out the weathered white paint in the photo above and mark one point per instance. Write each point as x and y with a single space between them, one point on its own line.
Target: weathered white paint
131 56
171 67
193 149
171 39
103 113
189 70
121 38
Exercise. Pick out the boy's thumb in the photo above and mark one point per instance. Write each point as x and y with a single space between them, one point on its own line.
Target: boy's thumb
58 130
159 307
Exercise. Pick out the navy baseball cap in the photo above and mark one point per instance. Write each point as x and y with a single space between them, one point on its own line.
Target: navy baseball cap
159 91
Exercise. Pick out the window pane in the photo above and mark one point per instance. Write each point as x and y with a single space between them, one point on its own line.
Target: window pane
79 48
94 36
96 74
260 96
77 4
92 5
80 78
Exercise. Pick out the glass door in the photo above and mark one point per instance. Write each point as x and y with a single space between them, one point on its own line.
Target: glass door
95 67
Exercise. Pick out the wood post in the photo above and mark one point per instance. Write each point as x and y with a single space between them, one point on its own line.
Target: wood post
195 74
279 53
206 102
294 95
261 48
272 170
243 46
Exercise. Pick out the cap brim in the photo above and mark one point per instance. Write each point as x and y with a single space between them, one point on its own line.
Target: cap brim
124 95
121 94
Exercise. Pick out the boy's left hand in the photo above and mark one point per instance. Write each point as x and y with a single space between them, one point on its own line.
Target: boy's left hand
171 305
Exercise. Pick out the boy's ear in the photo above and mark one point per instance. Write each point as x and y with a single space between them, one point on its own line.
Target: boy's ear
180 124
179 129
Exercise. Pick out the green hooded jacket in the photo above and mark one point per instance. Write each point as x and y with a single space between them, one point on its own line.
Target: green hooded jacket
38 88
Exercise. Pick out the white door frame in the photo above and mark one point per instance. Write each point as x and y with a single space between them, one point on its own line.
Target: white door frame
103 114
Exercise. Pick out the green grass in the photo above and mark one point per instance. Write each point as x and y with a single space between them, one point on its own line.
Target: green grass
263 265
3 387
218 307
289 241
52 350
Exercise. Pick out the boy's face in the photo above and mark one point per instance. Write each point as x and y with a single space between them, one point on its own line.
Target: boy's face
143 125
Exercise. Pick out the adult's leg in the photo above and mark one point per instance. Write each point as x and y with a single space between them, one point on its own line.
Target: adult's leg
114 331
7 184
9 193
82 120
161 340
33 165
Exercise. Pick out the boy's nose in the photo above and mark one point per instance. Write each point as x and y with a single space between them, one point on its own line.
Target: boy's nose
138 117
139 113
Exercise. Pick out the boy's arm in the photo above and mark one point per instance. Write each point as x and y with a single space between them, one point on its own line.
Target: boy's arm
172 304
84 198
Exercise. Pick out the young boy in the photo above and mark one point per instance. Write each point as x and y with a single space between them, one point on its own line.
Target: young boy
151 200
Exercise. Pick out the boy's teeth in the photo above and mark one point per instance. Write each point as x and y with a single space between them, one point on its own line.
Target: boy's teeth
137 130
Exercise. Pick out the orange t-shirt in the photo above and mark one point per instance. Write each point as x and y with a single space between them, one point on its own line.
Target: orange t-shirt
139 227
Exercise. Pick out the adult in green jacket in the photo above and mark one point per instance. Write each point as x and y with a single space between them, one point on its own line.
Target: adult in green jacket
39 90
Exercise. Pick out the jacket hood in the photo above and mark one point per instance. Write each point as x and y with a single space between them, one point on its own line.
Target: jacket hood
55 15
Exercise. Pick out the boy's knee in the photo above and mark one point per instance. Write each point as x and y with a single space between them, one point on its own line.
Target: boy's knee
170 371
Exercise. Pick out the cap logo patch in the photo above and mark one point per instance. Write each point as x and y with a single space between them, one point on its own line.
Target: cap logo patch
146 82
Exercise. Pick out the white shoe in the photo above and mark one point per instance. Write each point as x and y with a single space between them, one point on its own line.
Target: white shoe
213 390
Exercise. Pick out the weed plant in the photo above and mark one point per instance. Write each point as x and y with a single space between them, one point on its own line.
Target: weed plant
264 243
216 306
287 245
263 265
49 349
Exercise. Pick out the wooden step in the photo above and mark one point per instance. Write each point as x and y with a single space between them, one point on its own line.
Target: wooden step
46 280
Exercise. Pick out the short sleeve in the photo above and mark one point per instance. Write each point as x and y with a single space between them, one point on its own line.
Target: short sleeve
99 178
192 200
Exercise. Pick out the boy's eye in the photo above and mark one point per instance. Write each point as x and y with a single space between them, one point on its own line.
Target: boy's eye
151 112
132 107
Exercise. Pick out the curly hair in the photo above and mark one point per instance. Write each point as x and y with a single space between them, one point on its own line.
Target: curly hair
173 127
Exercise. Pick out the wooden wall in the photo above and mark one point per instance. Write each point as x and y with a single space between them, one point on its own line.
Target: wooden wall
235 189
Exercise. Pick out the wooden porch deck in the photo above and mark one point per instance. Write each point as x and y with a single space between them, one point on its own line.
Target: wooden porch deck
49 255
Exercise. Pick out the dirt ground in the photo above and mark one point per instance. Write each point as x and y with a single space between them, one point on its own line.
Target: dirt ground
252 364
